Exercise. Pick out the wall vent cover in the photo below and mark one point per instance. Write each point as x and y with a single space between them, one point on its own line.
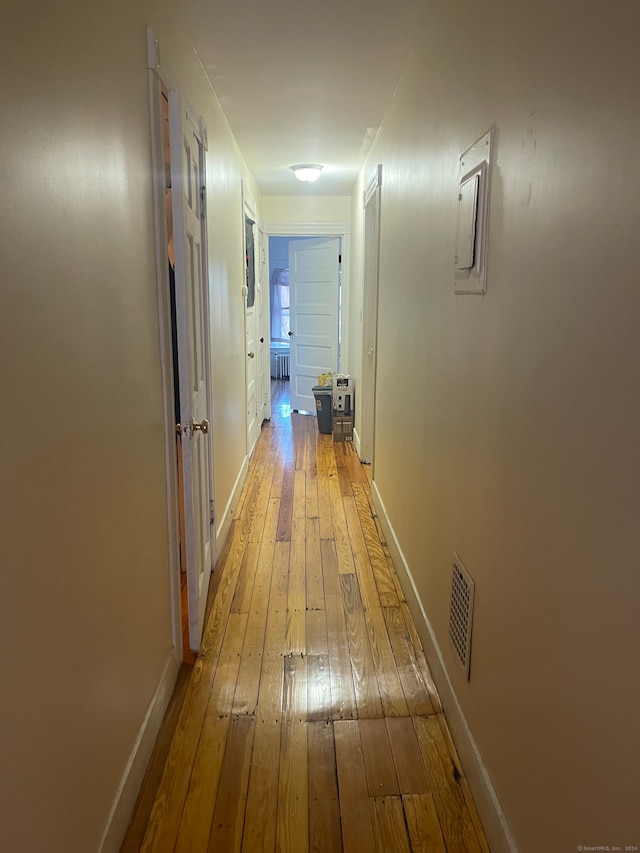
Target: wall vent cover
463 591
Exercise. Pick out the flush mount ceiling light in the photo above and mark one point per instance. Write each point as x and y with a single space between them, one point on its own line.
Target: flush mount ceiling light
308 172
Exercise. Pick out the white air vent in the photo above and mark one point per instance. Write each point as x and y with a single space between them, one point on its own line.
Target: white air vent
461 619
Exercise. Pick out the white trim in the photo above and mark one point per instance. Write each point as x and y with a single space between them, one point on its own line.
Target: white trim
153 50
306 229
366 416
249 203
154 60
127 793
224 525
166 354
356 441
346 300
494 822
374 182
203 148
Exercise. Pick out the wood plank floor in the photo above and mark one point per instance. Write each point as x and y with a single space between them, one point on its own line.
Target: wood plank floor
310 721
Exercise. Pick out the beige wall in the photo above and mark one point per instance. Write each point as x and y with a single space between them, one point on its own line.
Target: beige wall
85 589
508 424
306 209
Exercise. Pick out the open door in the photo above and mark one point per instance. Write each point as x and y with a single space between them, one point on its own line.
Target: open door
264 382
314 291
192 323
253 345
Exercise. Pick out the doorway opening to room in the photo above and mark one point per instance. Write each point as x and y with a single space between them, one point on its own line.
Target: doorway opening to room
305 308
188 655
179 168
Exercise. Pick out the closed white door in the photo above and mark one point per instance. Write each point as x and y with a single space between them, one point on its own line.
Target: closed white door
314 288
187 181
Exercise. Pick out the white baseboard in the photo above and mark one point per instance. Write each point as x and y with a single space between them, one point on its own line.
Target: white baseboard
224 525
493 819
356 440
127 793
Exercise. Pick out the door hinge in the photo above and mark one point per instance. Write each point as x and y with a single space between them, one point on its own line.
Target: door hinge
212 510
203 202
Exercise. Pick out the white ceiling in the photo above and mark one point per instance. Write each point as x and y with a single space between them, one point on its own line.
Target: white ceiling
303 82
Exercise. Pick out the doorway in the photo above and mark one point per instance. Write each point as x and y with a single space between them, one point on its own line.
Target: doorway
179 146
188 655
254 349
305 298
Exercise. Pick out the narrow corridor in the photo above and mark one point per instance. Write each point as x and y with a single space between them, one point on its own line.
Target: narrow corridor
310 721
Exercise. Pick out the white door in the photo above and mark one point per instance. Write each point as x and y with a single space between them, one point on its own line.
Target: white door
252 343
370 317
264 366
314 287
187 181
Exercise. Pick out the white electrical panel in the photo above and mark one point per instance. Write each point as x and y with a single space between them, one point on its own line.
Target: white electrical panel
467 223
474 187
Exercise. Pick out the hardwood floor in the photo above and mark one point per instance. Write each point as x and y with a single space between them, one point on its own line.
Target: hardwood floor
310 721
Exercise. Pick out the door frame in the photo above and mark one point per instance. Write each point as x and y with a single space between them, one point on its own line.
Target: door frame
316 229
370 274
265 327
249 209
160 77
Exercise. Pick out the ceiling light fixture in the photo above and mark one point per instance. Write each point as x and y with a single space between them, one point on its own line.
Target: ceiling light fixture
308 172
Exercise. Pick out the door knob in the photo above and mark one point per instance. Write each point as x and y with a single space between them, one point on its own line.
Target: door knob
251 354
261 340
203 425
290 334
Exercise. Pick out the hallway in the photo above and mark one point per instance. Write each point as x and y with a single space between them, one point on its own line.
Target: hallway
310 721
